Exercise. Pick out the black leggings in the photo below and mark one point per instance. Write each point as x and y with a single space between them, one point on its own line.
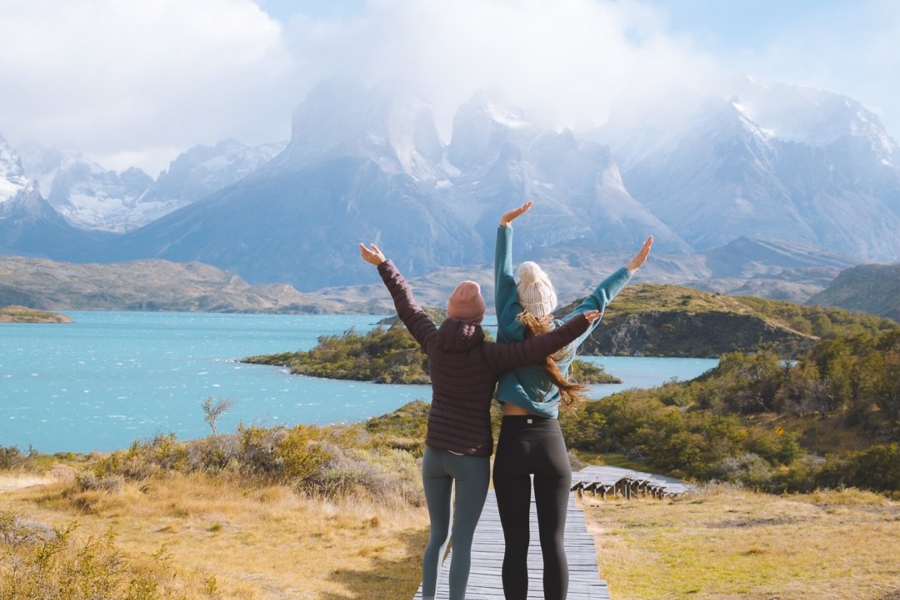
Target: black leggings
532 446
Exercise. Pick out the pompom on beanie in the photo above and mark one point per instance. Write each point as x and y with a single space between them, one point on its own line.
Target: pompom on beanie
466 302
536 293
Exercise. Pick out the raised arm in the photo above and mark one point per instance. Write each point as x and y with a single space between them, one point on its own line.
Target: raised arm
510 216
416 320
641 257
372 255
506 298
610 287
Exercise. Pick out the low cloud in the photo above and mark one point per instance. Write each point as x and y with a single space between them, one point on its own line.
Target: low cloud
569 61
137 81
135 77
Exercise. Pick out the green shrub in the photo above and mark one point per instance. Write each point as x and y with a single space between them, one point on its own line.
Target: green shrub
587 373
876 468
145 459
300 455
11 458
803 475
747 469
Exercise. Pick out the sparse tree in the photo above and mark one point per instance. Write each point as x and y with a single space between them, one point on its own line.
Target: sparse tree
213 409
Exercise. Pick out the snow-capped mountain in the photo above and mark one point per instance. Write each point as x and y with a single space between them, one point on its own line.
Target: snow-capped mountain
362 166
13 180
91 197
28 224
345 176
807 179
339 119
203 170
793 113
500 159
84 193
777 163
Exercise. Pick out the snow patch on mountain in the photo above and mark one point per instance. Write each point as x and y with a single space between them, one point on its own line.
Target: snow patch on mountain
504 116
13 180
794 113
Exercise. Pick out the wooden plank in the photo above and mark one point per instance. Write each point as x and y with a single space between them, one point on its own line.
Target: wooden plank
485 581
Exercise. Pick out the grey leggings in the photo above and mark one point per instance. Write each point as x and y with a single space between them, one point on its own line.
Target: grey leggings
440 469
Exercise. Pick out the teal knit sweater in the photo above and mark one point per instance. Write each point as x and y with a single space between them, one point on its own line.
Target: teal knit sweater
529 387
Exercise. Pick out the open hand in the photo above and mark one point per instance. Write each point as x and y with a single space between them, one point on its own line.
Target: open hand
635 263
515 213
371 255
593 315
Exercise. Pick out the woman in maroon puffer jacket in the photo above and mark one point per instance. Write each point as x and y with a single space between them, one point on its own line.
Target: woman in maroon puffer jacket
464 370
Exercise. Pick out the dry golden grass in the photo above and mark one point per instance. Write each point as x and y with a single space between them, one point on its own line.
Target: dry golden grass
231 541
728 544
225 540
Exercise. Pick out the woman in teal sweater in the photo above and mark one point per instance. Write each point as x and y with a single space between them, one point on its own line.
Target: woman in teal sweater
464 369
530 441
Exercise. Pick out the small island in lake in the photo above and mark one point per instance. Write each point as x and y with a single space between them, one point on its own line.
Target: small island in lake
383 355
21 314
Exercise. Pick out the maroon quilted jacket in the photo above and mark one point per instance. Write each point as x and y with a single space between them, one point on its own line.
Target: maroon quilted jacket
465 368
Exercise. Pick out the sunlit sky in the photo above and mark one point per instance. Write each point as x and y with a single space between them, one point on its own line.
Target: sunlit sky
136 82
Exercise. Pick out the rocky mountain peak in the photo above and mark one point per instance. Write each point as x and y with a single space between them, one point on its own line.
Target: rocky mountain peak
13 180
340 119
794 113
483 125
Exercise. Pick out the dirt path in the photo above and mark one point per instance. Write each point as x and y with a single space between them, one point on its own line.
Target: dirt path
10 483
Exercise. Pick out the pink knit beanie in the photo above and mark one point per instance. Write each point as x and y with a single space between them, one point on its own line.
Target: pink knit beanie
466 303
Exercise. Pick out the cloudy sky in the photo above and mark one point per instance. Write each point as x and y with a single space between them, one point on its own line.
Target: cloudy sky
136 82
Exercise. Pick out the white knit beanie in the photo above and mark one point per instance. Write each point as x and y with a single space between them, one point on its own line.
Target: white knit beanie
536 293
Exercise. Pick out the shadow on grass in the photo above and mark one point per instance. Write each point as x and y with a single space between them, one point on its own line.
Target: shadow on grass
395 579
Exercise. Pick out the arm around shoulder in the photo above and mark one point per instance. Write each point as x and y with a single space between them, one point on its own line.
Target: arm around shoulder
535 350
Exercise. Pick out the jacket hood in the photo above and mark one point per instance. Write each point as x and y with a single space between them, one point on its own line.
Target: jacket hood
459 336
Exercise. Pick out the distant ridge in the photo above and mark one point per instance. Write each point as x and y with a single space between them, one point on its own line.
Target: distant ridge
874 289
151 285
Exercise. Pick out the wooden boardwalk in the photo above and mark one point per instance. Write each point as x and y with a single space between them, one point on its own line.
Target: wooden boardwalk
487 558
625 483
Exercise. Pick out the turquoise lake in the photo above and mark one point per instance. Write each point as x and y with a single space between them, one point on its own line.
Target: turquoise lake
110 378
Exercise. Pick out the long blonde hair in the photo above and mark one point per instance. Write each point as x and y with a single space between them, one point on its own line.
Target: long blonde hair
570 392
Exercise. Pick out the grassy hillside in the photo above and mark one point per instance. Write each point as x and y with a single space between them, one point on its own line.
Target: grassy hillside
666 320
873 289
